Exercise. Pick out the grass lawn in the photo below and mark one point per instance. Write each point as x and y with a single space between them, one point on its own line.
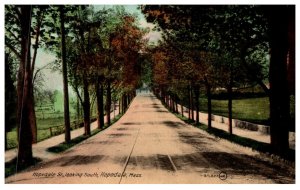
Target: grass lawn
43 126
254 110
43 130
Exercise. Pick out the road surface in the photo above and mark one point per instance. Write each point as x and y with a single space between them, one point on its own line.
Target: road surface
150 145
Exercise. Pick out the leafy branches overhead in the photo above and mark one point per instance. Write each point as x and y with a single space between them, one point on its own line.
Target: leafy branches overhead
235 29
229 46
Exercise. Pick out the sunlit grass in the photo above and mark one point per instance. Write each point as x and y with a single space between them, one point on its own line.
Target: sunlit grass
255 110
43 131
249 109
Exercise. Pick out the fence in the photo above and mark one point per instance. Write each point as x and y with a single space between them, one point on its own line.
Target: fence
264 129
60 129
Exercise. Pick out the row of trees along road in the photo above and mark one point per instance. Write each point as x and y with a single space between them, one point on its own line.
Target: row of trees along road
226 47
96 51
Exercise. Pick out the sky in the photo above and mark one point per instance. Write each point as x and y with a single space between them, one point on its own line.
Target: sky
53 80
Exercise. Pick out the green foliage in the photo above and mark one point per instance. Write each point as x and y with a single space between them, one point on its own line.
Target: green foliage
10 96
146 72
43 131
214 45
254 110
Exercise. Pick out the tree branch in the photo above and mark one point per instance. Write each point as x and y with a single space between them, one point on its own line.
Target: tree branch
13 35
18 12
264 87
38 70
78 94
38 27
12 48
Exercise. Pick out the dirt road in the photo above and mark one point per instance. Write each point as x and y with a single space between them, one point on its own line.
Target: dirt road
150 145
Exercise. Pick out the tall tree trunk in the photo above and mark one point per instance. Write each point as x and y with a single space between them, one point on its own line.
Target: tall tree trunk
100 107
181 106
170 103
229 92
291 51
197 96
10 99
65 76
176 104
208 94
190 102
114 108
24 87
279 92
35 47
32 116
86 108
162 98
127 100
108 103
167 101
78 110
98 101
123 103
120 104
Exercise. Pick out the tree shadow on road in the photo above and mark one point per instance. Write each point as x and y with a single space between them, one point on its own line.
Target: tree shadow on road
71 160
173 124
241 164
131 123
157 161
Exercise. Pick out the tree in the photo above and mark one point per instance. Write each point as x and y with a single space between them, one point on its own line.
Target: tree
215 29
64 72
74 17
279 92
13 26
24 89
10 100
187 32
54 38
241 36
127 45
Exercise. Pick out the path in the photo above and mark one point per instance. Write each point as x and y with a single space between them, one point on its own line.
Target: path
255 135
150 145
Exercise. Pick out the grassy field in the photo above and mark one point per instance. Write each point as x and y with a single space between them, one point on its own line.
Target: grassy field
43 130
249 109
254 110
49 115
